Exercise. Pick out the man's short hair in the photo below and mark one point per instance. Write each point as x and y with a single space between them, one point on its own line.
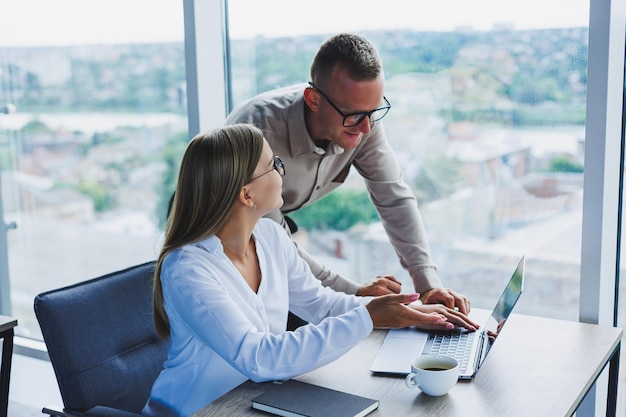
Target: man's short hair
352 52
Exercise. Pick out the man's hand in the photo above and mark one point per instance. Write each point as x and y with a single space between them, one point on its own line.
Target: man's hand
448 298
380 285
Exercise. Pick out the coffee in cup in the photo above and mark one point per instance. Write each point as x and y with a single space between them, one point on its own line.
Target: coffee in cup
433 375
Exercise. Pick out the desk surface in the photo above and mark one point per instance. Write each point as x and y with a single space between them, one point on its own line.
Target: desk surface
537 367
7 323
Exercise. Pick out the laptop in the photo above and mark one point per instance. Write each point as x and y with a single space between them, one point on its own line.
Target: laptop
469 348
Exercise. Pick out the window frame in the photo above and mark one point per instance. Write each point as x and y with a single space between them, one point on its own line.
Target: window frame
206 64
602 191
603 164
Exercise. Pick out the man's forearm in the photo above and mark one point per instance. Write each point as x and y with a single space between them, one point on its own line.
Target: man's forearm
425 278
329 278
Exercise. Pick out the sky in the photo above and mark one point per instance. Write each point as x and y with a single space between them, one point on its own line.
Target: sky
61 22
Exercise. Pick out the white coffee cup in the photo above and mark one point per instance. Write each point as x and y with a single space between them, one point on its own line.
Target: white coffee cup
433 375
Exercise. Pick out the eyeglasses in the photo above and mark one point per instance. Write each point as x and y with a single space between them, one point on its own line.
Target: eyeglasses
354 119
277 165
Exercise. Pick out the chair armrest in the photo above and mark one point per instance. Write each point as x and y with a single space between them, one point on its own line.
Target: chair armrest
53 411
101 411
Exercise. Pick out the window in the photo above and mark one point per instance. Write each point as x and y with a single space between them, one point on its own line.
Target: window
93 121
496 133
488 121
70 166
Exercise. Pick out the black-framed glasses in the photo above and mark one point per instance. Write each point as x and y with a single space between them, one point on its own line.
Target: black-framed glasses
278 165
353 119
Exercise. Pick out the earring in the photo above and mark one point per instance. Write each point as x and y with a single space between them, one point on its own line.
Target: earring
253 208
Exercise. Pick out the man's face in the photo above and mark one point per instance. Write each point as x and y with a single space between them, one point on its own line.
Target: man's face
349 96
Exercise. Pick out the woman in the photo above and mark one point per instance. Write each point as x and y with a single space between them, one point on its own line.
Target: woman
226 279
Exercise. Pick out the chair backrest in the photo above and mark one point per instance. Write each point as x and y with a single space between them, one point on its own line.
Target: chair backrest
101 339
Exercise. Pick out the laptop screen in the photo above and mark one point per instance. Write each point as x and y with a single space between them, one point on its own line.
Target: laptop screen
505 304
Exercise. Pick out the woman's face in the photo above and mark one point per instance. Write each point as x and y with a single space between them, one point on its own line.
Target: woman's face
267 182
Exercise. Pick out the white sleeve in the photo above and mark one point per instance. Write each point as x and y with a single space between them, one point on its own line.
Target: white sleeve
196 293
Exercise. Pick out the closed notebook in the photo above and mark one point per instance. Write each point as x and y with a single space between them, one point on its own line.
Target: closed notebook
296 399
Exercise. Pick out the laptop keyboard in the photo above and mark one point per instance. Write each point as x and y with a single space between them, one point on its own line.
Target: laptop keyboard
457 345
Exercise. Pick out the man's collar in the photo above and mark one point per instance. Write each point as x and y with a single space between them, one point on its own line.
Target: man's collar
300 140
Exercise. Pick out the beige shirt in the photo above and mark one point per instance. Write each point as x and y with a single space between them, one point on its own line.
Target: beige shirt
312 173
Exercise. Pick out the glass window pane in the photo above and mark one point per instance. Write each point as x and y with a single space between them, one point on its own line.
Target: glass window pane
488 122
621 317
93 122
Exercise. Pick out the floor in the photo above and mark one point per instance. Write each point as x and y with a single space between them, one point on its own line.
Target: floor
32 387
20 410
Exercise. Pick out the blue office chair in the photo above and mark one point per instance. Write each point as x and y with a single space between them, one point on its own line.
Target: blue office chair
102 343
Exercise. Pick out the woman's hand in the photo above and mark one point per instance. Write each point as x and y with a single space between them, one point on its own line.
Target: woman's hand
452 316
391 311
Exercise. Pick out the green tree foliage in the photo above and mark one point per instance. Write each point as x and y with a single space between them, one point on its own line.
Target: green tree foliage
565 164
516 68
99 194
526 89
339 210
548 116
438 177
172 155
426 52
35 126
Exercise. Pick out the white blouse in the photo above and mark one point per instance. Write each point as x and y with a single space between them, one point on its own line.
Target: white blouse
223 333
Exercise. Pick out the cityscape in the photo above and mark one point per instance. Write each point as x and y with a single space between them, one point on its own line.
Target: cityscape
478 123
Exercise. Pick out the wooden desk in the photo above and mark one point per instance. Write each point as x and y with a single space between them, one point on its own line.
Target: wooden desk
538 367
6 334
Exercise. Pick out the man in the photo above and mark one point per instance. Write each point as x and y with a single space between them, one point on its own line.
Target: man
324 128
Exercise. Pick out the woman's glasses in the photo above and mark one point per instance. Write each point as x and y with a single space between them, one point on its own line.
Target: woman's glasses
277 165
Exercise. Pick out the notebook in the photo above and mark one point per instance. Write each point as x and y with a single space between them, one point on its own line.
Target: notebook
469 348
294 398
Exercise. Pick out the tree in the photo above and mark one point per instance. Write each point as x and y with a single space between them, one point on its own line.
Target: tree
565 164
99 194
172 155
339 210
438 177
